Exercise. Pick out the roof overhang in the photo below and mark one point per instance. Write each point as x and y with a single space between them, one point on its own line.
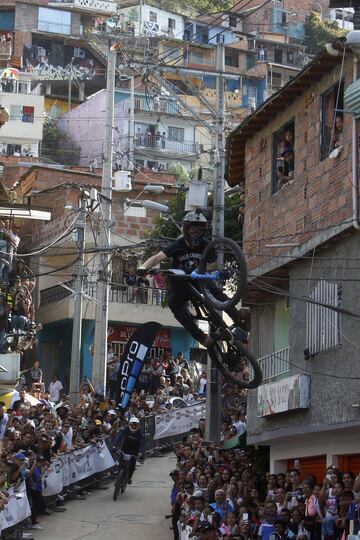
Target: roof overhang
24 211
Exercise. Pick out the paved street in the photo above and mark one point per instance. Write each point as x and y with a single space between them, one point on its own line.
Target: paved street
139 513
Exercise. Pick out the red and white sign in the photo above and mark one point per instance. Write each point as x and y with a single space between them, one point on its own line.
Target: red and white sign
123 333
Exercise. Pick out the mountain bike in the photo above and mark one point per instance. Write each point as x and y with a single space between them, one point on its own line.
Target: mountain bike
217 285
121 479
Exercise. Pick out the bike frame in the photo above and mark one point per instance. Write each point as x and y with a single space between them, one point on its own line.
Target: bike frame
211 315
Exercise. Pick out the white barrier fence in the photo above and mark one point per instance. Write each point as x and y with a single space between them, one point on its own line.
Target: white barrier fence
82 463
65 470
179 421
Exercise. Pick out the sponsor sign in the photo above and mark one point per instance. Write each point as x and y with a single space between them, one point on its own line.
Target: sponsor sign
179 421
285 395
133 359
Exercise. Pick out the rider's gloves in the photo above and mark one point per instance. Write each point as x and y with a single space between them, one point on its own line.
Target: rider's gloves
224 274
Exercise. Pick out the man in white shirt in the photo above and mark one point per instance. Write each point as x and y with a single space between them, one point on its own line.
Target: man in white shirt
4 419
55 388
239 421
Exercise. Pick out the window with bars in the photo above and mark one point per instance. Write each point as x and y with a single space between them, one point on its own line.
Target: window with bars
322 323
176 134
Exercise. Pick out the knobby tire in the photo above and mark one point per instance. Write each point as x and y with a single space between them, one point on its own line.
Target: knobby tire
216 355
242 277
118 484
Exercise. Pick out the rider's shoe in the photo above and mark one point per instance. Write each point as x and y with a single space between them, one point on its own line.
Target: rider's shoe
129 481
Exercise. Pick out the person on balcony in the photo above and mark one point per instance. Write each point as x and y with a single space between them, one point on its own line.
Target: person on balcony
163 140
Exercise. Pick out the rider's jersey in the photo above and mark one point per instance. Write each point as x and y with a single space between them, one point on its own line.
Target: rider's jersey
184 257
130 442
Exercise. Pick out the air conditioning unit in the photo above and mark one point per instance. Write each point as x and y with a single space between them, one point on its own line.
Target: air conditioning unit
122 181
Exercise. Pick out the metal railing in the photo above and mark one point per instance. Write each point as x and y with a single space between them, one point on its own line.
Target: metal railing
166 106
158 143
94 5
122 294
275 364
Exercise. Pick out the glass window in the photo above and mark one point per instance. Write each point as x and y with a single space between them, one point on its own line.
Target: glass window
332 102
16 112
171 24
176 134
28 114
283 156
290 57
19 113
278 56
153 16
54 20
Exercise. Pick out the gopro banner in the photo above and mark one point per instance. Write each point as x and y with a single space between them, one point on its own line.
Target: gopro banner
133 359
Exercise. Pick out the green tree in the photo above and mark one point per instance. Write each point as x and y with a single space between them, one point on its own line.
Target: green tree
318 33
201 6
168 228
58 146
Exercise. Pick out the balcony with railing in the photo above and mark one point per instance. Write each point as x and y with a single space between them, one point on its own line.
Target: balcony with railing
166 106
164 145
119 293
275 365
93 6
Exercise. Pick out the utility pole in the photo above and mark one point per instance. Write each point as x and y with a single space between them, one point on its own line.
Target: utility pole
213 387
102 306
70 83
132 123
78 305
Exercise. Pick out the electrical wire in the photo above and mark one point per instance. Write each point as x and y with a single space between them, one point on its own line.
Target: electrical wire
65 233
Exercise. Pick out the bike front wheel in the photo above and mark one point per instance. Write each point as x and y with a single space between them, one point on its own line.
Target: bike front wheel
228 358
118 484
227 257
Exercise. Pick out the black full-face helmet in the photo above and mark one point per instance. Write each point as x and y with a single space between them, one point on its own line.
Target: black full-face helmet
194 227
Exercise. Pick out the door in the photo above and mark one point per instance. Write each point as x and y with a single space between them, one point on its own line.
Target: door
314 465
350 462
49 360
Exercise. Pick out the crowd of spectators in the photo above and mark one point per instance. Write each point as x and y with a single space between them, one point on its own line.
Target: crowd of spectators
221 493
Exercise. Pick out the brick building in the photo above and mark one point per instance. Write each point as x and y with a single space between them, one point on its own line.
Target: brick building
297 159
58 190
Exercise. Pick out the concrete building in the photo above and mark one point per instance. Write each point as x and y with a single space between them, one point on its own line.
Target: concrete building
22 134
154 117
301 238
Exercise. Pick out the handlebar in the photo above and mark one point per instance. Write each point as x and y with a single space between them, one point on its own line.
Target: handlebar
194 275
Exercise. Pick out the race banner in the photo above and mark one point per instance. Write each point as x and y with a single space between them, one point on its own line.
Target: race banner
75 466
17 509
133 359
179 421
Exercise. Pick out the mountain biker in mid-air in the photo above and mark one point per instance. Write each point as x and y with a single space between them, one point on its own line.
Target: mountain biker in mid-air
131 441
186 253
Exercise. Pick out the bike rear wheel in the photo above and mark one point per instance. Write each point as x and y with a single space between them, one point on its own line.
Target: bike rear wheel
228 360
118 484
228 291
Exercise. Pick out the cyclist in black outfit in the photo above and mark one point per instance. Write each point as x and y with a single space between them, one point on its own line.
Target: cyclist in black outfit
186 253
131 441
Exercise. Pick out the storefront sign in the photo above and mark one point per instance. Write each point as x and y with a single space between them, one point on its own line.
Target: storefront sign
284 395
124 332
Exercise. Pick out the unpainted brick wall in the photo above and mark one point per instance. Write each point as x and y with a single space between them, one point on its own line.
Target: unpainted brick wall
320 195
